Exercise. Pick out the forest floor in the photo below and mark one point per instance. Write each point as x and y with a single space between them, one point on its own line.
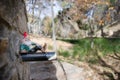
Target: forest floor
50 43
114 63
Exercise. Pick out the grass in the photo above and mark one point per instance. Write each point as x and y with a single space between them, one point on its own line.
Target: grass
50 47
84 49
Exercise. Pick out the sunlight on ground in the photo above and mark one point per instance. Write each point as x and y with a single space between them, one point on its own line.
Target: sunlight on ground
60 44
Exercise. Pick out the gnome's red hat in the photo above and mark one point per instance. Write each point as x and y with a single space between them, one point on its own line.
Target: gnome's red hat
25 34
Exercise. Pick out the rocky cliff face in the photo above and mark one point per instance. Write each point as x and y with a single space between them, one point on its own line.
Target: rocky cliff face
46 70
12 23
54 70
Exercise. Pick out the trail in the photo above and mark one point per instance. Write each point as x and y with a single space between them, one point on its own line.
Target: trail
60 44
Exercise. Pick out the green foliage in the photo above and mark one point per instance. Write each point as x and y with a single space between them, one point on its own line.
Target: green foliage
64 53
82 26
84 52
108 46
55 20
112 1
85 26
64 4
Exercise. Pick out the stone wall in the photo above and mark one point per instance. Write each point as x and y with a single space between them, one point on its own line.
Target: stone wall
13 22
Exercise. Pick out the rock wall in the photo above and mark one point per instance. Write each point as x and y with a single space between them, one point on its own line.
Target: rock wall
46 70
58 70
13 22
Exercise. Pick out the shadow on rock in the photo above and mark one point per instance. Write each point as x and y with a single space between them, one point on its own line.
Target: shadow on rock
116 34
42 70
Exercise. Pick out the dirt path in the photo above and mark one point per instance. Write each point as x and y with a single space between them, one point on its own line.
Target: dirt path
59 44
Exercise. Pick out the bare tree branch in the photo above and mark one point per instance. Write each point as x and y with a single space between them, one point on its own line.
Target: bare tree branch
118 56
104 63
114 57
